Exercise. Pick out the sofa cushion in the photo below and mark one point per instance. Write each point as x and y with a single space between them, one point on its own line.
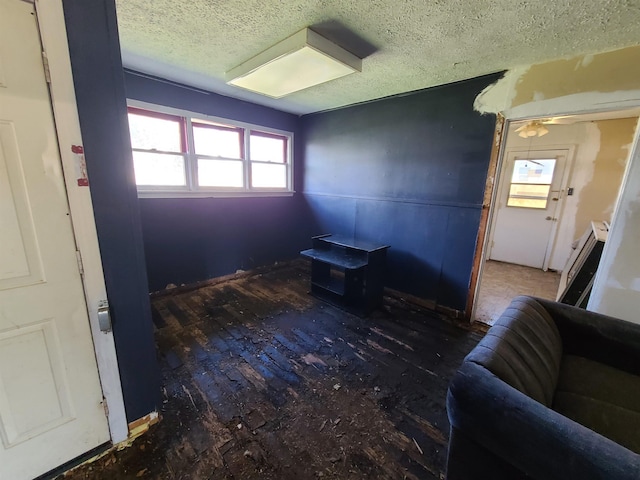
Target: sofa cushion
602 398
524 349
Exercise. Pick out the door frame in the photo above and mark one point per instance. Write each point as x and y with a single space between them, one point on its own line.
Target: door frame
564 181
494 172
53 37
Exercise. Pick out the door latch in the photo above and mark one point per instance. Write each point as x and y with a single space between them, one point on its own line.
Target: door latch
104 317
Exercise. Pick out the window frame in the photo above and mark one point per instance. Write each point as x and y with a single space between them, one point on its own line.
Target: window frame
192 189
530 197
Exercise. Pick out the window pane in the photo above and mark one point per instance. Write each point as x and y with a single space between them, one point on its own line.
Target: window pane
538 171
264 175
217 142
267 149
158 169
528 196
220 173
151 133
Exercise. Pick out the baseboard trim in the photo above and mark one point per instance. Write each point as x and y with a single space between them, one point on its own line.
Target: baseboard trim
139 427
425 303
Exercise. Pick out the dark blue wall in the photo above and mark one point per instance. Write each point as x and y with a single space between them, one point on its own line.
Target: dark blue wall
97 70
407 171
192 239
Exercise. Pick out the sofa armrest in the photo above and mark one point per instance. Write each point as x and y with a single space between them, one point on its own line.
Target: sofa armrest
605 339
533 438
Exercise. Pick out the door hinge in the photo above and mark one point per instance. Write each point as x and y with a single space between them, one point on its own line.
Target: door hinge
105 405
80 264
47 71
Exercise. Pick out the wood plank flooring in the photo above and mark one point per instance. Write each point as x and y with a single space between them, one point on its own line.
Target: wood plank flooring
263 381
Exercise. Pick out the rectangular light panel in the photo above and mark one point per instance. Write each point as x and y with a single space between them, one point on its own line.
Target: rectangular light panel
301 61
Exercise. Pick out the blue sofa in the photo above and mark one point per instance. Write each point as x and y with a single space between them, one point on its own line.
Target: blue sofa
551 392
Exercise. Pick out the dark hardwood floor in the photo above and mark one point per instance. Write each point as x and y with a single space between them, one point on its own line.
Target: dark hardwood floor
262 381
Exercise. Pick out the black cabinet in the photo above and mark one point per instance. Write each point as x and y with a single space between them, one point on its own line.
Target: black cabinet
346 272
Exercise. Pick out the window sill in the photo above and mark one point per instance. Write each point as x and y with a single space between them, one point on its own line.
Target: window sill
205 194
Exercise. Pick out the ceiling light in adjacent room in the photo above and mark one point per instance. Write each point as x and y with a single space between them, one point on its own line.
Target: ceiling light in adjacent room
301 61
534 128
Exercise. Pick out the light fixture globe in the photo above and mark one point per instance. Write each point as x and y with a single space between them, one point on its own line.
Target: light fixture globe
534 128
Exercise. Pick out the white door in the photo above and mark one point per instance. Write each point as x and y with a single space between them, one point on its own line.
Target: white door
528 204
50 397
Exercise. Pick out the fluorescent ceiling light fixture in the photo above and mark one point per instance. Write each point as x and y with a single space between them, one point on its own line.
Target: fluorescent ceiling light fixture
301 61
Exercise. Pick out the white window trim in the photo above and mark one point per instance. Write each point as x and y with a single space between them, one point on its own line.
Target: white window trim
191 190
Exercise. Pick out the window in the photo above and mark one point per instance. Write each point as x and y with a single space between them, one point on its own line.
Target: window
184 154
531 183
159 148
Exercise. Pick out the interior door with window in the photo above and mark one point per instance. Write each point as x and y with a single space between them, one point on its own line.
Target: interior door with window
528 204
50 395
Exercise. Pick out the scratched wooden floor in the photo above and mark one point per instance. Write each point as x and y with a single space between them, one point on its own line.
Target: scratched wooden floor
262 381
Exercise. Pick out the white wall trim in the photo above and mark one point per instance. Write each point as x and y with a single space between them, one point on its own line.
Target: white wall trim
54 40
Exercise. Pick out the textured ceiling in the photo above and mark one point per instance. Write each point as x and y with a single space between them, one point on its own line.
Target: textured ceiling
406 44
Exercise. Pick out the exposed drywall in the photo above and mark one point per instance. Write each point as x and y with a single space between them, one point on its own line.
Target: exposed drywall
408 172
616 291
597 198
601 81
601 150
554 89
406 45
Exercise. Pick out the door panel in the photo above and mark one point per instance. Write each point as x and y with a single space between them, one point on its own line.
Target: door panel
50 396
34 391
21 263
528 199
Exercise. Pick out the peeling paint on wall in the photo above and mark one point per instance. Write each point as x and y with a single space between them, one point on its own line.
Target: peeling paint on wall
605 72
589 82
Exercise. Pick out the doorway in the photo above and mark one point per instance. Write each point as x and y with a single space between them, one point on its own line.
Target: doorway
549 189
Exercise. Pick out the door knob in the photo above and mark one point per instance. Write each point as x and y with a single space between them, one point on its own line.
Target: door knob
551 218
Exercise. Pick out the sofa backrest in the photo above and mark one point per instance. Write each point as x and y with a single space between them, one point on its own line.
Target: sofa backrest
523 348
